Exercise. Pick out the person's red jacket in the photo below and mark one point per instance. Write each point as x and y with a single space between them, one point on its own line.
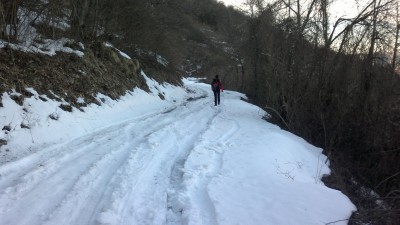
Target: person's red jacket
221 87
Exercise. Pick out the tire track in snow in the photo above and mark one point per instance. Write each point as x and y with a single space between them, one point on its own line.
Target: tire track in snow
21 177
105 176
204 163
176 201
81 203
40 192
47 193
112 170
150 188
15 172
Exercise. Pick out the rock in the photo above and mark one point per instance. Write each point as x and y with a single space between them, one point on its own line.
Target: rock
7 128
65 107
54 116
18 99
25 126
3 142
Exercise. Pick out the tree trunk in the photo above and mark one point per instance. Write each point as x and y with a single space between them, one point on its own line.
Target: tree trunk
325 22
371 51
2 20
9 16
396 43
80 11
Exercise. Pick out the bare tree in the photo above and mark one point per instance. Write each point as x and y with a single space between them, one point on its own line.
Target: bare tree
2 19
85 16
396 40
254 6
9 16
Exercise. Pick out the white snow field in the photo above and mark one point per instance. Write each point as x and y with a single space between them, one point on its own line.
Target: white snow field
142 160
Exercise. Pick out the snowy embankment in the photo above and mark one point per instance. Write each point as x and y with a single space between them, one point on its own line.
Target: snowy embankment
142 160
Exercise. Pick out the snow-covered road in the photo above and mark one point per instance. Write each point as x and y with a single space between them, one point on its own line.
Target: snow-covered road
187 162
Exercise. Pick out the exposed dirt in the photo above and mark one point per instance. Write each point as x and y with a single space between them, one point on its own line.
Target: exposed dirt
68 76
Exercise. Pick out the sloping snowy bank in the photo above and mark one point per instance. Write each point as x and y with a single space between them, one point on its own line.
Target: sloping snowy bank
252 172
44 131
143 160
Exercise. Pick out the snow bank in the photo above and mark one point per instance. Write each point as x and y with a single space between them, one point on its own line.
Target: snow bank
44 131
248 171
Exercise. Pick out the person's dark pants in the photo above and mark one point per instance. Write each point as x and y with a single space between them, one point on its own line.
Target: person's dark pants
217 98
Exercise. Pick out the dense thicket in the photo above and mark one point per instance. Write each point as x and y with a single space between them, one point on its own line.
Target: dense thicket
338 90
335 83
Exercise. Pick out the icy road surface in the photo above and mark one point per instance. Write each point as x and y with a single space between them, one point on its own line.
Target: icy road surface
187 163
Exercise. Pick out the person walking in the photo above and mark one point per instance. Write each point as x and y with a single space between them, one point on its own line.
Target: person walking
216 87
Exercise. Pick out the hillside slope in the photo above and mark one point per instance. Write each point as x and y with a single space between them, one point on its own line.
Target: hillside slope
97 69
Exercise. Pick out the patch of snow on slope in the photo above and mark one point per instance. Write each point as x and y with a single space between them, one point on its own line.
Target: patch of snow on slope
28 37
45 131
